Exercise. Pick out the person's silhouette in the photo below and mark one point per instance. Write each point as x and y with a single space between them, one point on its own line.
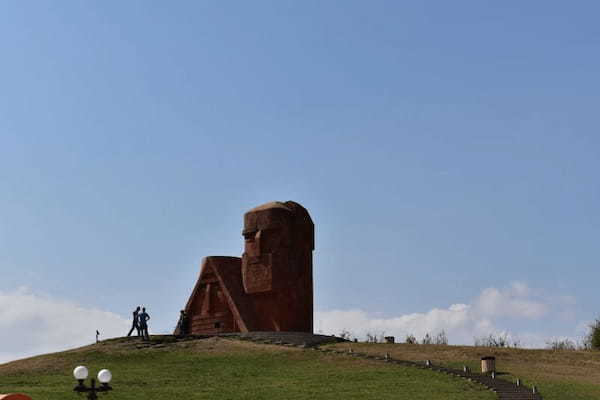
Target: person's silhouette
143 318
183 323
135 325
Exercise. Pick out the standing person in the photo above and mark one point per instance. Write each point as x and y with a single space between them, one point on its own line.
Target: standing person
143 318
135 325
183 323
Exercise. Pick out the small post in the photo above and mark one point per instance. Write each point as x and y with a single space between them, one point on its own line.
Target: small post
97 336
493 374
428 363
466 369
534 389
350 351
387 357
518 382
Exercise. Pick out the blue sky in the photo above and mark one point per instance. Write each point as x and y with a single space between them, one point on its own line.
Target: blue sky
444 149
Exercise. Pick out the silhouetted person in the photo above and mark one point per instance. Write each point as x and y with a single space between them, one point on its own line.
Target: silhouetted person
183 324
135 325
143 318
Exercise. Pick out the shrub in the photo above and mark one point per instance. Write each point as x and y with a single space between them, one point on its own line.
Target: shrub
441 338
500 340
594 335
410 339
426 339
584 344
374 338
347 335
561 344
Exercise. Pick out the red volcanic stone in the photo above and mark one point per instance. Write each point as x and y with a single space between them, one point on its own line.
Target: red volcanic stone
270 288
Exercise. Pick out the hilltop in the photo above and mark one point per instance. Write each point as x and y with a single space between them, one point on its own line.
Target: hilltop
229 368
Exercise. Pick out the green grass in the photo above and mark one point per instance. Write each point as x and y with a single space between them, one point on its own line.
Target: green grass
551 388
229 369
559 375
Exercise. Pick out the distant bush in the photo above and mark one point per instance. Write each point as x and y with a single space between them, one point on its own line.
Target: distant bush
410 339
561 344
568 344
491 341
441 338
584 344
593 338
426 339
375 338
347 335
499 340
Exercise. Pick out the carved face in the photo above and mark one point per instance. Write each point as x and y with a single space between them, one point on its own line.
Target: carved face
266 248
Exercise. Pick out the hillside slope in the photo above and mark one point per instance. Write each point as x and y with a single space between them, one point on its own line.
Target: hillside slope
220 368
559 375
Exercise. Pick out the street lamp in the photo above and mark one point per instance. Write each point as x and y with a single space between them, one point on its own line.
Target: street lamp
104 377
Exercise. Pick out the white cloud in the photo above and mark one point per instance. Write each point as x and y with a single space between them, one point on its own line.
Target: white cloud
461 322
514 301
31 324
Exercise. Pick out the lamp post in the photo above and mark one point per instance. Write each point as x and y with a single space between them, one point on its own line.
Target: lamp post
104 377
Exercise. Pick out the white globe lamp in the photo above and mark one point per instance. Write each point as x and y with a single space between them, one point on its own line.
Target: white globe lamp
104 376
80 373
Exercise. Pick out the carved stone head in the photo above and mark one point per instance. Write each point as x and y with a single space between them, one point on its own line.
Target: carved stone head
279 237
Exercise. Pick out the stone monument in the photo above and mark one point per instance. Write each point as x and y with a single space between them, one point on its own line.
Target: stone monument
270 287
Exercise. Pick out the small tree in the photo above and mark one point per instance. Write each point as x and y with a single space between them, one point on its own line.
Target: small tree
347 335
374 338
561 344
426 339
500 340
441 338
594 335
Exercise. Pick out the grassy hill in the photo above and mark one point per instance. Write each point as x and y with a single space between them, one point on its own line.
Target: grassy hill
560 375
219 368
